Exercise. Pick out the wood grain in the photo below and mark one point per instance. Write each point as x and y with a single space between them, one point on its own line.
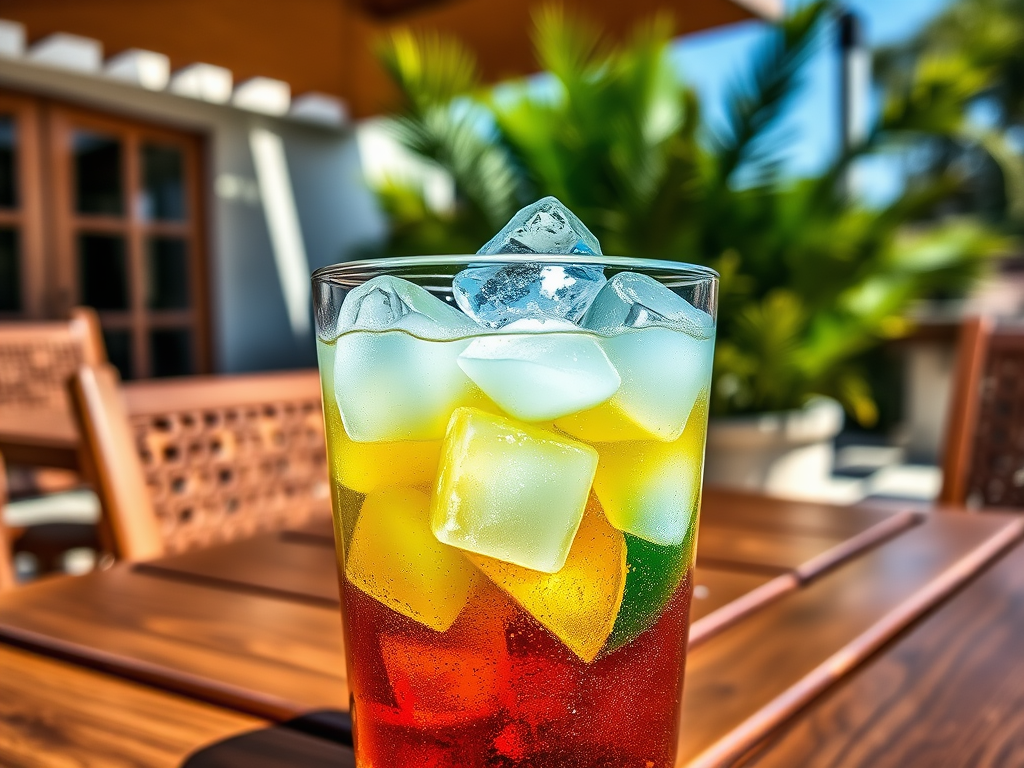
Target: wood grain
947 694
269 657
54 715
757 673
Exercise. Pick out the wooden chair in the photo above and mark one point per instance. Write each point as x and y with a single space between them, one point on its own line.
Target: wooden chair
983 464
36 361
6 555
186 463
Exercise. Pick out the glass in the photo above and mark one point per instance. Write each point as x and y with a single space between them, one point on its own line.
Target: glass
171 349
102 269
515 510
163 188
119 351
8 160
10 271
98 176
167 273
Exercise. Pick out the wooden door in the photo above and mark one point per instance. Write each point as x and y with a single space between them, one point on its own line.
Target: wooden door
22 293
127 218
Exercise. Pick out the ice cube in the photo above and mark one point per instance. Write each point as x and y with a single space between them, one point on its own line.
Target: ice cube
428 675
395 559
547 227
579 603
663 371
395 365
652 489
654 574
365 467
510 491
632 300
391 303
496 295
538 376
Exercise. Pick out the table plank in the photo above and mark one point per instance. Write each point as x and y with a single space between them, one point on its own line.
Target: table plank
54 715
294 568
947 694
39 437
269 657
757 673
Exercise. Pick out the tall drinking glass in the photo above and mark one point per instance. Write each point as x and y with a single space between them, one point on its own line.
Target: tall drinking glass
515 503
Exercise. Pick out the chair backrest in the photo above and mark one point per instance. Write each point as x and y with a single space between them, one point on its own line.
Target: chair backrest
6 556
37 359
983 464
184 463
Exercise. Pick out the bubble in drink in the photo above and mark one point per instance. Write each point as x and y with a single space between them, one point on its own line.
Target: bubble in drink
541 377
546 226
510 491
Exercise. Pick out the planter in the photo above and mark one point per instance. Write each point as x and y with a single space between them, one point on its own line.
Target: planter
789 453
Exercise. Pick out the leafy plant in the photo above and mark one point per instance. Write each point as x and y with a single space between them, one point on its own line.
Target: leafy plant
810 278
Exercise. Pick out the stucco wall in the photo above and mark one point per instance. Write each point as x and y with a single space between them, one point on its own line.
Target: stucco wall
250 328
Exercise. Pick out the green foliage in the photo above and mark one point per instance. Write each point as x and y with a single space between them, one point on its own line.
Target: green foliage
976 46
810 279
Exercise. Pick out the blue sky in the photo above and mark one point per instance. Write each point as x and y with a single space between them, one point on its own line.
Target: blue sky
714 61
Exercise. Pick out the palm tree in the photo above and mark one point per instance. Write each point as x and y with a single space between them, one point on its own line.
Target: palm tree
810 278
984 38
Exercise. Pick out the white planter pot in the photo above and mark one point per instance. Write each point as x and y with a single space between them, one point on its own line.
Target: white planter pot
784 454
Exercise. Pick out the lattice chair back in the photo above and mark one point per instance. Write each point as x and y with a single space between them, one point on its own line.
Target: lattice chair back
984 458
6 555
37 359
186 463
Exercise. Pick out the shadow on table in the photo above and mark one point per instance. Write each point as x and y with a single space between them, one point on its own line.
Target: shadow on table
316 740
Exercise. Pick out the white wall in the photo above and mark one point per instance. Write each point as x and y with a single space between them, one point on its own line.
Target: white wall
250 327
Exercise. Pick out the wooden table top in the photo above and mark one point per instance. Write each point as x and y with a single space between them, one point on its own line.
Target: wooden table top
39 437
795 596
950 693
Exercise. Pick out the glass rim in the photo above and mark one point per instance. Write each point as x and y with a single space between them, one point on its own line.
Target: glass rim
359 271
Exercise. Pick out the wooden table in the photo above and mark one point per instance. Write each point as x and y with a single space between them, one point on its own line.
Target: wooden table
54 714
792 598
39 437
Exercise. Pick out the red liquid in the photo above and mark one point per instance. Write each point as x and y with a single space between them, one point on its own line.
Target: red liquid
497 690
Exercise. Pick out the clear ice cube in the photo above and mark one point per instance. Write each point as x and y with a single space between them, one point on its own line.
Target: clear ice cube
663 371
510 491
547 227
395 559
579 603
632 300
395 369
497 295
389 303
651 489
538 376
391 386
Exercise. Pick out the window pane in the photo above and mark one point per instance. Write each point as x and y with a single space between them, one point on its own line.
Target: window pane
8 177
172 352
98 173
167 273
119 351
163 186
10 271
102 266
